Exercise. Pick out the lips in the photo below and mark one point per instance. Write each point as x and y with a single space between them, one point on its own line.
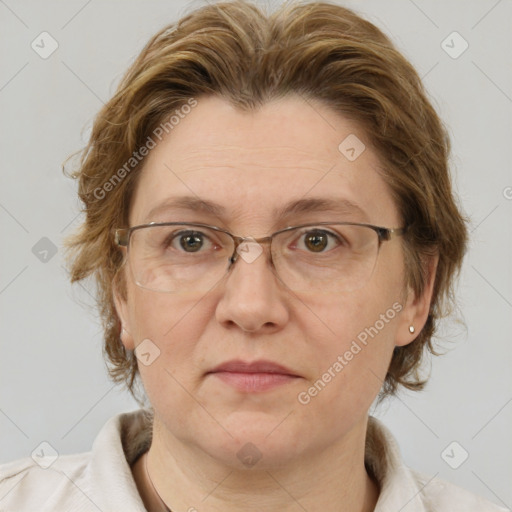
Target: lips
238 366
255 377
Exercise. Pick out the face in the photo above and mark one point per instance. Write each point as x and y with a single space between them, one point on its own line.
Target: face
251 166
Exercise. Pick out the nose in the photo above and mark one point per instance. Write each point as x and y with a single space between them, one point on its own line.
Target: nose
253 297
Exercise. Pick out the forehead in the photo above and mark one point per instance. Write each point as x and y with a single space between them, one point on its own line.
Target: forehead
251 166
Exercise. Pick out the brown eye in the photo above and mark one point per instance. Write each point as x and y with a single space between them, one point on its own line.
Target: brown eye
316 241
192 241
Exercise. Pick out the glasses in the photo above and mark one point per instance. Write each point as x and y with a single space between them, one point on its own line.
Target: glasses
320 257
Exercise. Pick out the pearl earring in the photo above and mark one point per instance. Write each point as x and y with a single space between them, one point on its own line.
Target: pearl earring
411 329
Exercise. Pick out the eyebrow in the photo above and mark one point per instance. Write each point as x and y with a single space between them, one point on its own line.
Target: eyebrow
300 206
188 203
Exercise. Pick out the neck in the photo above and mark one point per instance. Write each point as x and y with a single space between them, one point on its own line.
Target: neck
182 478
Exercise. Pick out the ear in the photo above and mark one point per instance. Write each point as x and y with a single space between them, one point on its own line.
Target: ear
124 315
417 307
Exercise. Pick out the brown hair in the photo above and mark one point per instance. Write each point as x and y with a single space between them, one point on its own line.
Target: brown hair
318 50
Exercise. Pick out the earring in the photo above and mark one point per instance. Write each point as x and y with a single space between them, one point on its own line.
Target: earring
411 329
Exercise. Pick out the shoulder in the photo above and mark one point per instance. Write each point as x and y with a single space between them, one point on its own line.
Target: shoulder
442 496
402 488
26 485
100 479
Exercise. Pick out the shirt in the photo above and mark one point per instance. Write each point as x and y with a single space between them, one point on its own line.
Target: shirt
101 480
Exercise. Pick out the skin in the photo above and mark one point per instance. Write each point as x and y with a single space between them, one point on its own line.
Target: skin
312 456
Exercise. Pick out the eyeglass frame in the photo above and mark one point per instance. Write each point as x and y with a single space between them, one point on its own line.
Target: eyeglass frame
122 235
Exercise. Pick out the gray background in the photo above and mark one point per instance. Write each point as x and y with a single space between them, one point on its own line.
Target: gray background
53 383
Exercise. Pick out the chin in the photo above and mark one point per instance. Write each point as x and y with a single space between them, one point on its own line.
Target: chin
256 442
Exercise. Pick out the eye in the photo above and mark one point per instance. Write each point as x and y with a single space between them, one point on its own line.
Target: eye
318 240
189 241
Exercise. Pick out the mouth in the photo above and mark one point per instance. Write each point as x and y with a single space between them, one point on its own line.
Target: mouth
257 376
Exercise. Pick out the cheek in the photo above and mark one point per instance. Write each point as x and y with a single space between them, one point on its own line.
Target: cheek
162 316
171 327
353 338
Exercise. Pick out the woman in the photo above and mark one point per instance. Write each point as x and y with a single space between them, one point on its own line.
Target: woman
272 228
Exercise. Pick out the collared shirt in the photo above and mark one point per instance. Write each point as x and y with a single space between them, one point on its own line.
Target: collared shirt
102 480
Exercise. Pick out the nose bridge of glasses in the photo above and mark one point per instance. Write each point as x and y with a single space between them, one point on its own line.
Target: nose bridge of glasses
249 240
